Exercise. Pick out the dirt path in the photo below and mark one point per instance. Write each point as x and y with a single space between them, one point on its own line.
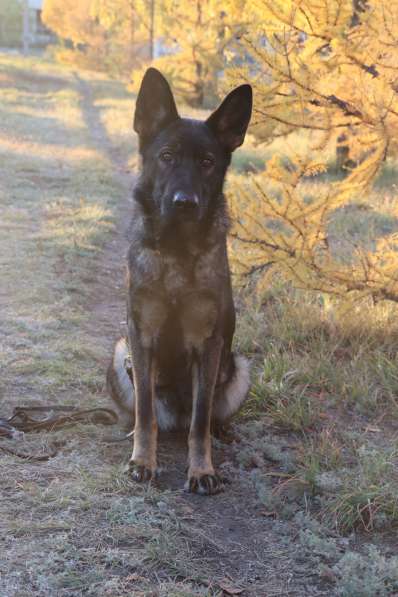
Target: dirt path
108 295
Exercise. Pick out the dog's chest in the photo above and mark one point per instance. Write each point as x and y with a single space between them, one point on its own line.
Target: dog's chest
175 275
169 293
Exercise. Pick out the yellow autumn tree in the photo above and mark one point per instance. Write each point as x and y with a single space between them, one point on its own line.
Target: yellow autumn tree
193 38
186 40
129 27
68 20
319 68
109 35
78 32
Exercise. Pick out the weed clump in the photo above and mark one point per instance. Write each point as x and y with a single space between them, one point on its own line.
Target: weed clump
366 575
368 495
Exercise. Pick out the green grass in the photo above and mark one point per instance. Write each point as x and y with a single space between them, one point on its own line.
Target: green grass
372 500
330 380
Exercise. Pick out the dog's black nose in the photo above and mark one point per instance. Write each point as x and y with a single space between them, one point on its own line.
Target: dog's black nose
184 200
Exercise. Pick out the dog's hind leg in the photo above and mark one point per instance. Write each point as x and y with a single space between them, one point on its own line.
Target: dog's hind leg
120 385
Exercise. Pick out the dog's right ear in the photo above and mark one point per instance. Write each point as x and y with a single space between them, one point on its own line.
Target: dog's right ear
155 107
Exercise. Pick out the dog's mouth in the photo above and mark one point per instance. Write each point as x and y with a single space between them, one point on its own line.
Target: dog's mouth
181 213
188 215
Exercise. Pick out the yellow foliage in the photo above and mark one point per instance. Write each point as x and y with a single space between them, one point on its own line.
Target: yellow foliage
318 65
195 38
69 20
188 39
109 35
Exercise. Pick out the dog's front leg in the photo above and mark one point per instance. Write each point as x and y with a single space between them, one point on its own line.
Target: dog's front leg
201 475
143 459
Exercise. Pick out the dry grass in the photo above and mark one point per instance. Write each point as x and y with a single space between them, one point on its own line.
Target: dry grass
330 378
58 195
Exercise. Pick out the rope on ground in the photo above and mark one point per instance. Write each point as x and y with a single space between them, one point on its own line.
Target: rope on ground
23 420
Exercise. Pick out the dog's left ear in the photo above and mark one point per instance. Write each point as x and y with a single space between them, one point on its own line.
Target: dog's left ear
231 119
155 107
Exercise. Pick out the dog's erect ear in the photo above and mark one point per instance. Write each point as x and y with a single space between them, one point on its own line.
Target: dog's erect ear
231 119
155 107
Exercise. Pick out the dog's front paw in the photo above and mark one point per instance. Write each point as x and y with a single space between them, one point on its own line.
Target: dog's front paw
204 484
141 473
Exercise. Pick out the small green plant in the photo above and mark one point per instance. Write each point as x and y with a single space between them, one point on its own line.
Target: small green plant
369 492
284 398
321 546
295 411
368 575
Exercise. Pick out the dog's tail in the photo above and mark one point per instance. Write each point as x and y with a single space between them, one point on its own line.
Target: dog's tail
119 381
232 394
120 385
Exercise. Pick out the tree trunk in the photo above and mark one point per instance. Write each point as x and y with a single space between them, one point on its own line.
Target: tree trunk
151 29
25 28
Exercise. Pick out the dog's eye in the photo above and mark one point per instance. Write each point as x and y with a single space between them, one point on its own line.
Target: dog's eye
166 156
207 162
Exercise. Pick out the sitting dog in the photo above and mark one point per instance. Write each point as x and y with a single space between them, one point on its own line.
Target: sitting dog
176 368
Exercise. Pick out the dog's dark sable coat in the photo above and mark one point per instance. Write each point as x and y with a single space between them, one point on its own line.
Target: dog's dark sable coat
181 316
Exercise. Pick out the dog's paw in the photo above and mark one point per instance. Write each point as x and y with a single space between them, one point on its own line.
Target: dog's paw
204 484
140 473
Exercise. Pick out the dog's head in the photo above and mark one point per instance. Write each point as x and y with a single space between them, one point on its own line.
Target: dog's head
184 161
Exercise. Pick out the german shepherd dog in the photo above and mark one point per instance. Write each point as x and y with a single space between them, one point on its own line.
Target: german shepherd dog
180 311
